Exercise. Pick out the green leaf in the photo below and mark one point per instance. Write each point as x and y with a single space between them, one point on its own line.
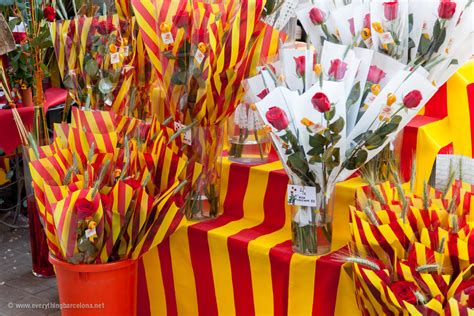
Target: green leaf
387 129
354 95
396 119
329 115
424 46
316 151
374 141
105 86
317 140
297 162
92 68
454 62
13 22
358 160
436 29
439 40
337 126
315 159
179 78
327 155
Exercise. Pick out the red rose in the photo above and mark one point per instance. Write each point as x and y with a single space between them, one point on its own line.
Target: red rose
84 208
338 69
412 99
446 9
321 102
466 287
405 291
316 16
367 21
375 74
390 10
300 65
263 94
105 27
277 117
49 13
19 37
181 19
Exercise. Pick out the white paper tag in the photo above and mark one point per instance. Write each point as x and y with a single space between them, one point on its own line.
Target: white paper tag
167 38
368 42
386 38
114 58
370 98
199 56
301 195
108 102
90 232
187 136
126 51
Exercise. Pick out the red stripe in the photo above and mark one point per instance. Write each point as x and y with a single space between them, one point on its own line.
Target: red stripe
470 98
143 300
325 288
274 211
410 133
167 276
280 258
437 106
198 239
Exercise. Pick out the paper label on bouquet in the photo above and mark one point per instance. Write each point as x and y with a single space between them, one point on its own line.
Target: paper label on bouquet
199 56
301 195
368 42
126 51
167 38
90 232
114 58
386 38
186 136
370 98
108 102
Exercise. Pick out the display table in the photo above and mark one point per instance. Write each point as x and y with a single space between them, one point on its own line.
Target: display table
10 139
242 262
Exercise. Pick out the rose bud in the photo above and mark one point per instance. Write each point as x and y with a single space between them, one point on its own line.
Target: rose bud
84 208
377 26
300 65
263 93
390 10
412 99
49 13
316 16
375 89
351 26
405 291
317 69
277 117
446 9
321 102
367 21
338 69
375 74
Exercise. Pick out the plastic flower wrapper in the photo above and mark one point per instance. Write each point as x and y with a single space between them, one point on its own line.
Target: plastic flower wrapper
90 58
389 21
461 293
278 13
79 226
398 289
298 67
315 18
440 19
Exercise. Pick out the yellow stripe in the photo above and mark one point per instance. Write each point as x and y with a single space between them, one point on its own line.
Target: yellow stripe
156 290
302 270
346 296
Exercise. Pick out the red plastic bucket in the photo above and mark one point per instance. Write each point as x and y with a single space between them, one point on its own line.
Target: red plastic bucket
97 289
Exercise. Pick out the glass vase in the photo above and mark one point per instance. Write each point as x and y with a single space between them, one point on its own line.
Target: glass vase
311 228
249 143
41 267
202 198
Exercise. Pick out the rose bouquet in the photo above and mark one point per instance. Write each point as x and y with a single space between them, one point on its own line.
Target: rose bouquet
102 190
202 57
341 104
423 240
95 60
